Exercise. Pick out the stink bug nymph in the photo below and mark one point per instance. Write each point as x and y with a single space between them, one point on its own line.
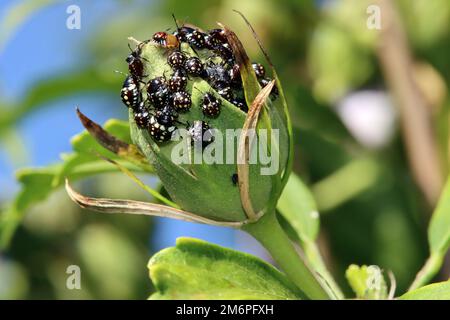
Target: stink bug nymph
177 81
166 116
215 38
159 131
135 64
142 116
224 91
130 93
240 103
194 66
157 92
176 59
211 105
259 69
181 101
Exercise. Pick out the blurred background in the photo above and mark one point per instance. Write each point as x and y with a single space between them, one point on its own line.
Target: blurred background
370 115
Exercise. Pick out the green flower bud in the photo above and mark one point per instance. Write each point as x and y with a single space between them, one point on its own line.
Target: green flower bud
208 180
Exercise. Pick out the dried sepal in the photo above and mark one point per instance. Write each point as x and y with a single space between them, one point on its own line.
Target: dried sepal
105 205
245 143
287 118
111 143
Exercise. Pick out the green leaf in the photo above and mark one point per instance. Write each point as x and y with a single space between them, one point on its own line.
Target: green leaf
37 184
195 269
439 228
435 291
367 282
298 207
438 238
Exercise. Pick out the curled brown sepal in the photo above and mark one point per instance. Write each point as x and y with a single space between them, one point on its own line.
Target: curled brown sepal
245 142
105 205
111 143
249 80
282 96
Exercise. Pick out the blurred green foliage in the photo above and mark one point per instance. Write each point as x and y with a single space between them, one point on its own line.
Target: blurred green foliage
371 210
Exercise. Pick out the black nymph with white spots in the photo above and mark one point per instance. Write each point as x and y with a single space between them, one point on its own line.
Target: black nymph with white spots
212 61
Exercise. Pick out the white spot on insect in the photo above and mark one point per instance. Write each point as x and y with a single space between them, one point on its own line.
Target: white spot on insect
314 214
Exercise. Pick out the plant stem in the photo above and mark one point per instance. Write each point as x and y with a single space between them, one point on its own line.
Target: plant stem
269 233
394 55
428 271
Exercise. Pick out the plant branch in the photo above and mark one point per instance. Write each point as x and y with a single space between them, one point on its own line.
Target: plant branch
396 62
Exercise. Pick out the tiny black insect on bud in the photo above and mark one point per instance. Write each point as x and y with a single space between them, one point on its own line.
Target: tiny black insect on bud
240 103
216 37
234 178
194 66
259 69
130 93
224 91
157 92
235 76
158 131
211 105
155 84
135 65
183 32
166 116
217 74
181 101
264 82
142 116
176 59
177 81
196 39
225 52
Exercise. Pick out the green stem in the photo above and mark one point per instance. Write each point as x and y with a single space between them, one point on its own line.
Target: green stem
270 234
428 271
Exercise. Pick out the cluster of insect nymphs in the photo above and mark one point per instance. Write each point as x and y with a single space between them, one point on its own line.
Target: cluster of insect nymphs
157 109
